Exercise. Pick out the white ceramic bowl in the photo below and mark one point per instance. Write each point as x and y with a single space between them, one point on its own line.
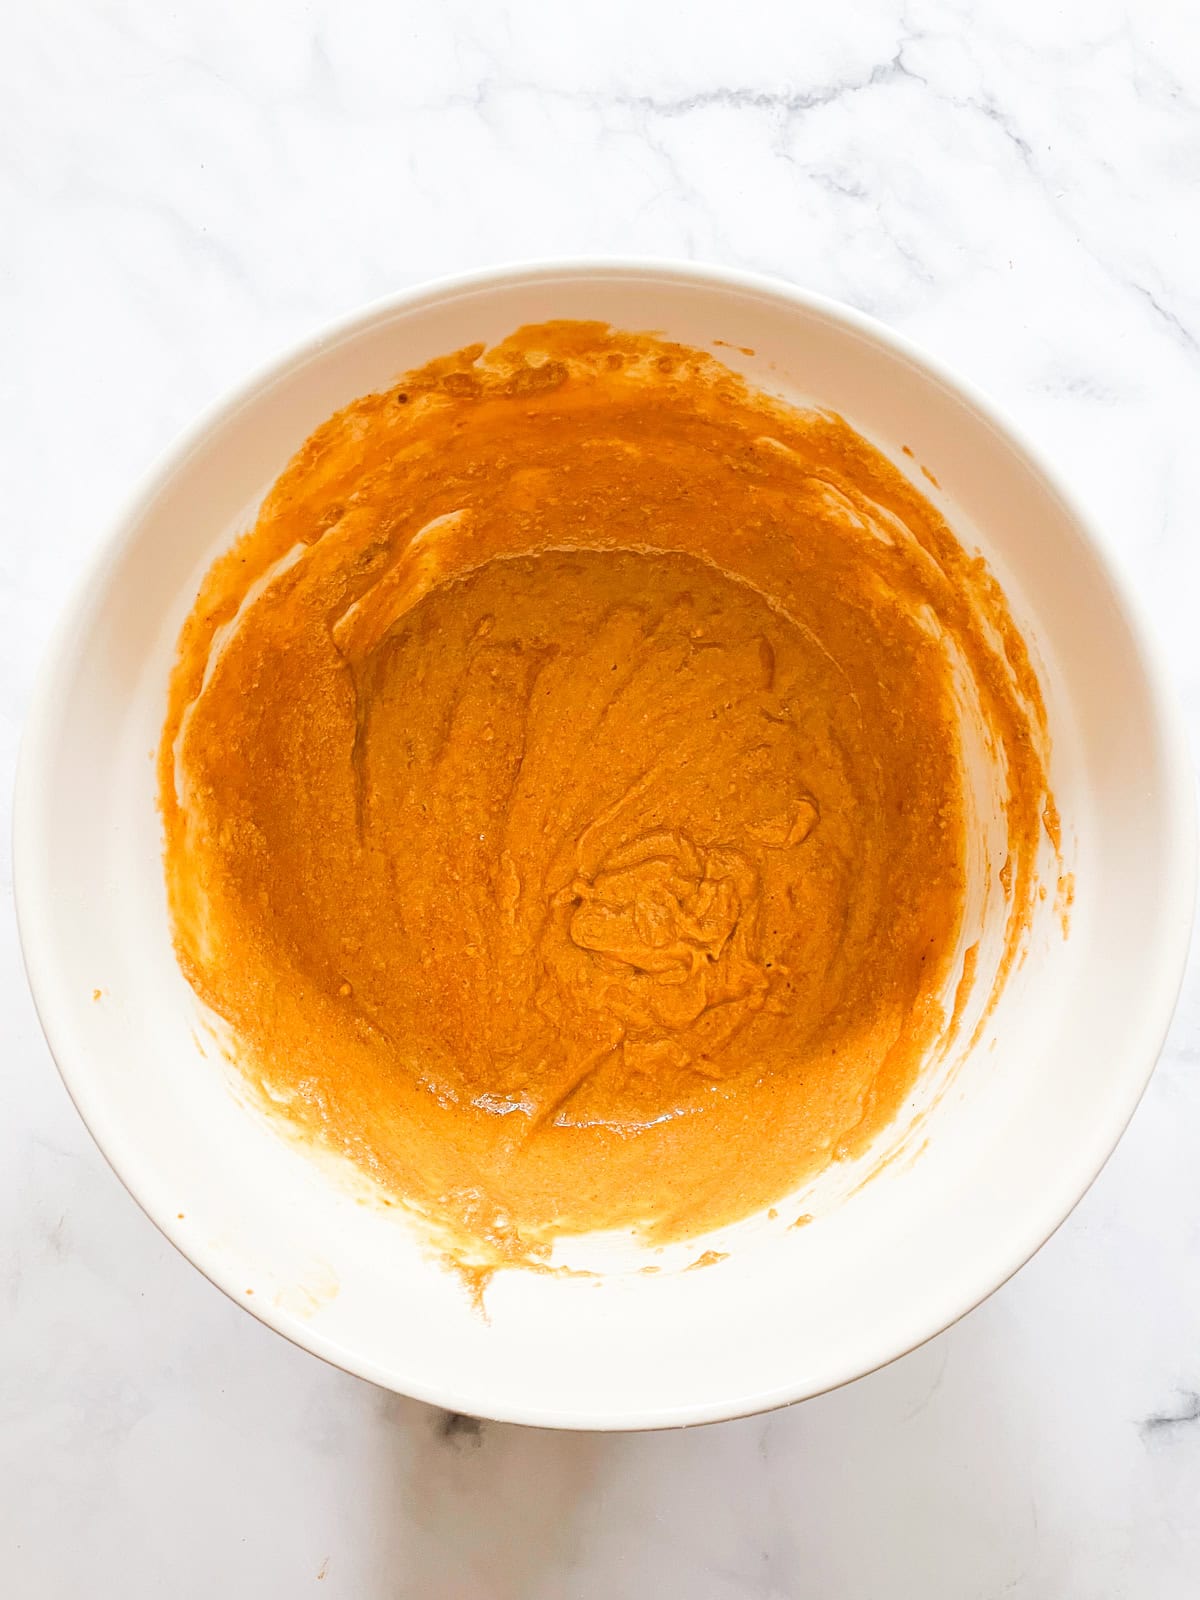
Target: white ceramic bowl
1009 1148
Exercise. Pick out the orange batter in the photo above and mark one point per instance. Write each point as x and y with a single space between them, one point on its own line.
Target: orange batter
563 793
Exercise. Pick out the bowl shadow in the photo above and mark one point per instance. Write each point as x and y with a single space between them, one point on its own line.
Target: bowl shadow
912 1480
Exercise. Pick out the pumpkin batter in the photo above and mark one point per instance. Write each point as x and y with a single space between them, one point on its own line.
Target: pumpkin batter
563 794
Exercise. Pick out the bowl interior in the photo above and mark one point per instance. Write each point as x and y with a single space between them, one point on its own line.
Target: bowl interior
1019 1129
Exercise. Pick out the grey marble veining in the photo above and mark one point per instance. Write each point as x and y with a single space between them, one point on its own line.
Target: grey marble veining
184 190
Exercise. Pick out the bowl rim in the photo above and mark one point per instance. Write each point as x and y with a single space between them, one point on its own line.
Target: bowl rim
30 835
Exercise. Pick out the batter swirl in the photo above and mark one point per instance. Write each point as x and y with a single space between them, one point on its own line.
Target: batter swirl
563 789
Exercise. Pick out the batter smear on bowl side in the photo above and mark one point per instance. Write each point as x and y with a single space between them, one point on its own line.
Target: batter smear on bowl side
563 790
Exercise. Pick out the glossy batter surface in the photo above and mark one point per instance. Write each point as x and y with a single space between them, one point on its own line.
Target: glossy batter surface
563 794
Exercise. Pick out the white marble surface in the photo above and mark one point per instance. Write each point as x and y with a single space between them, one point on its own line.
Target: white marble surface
186 188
